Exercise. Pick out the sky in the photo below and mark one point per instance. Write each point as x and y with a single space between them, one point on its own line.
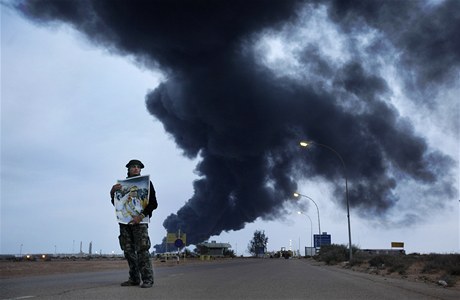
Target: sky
216 115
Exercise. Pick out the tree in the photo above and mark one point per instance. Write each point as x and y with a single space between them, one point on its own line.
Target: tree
229 253
258 245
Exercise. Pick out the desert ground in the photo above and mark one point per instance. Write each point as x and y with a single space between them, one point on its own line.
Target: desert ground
23 268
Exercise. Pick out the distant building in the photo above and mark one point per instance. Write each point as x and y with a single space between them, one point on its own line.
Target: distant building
213 249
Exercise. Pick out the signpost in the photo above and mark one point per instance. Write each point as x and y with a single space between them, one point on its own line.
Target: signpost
178 239
321 240
179 243
397 245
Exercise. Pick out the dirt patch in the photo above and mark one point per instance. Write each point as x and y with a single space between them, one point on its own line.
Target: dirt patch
413 273
10 269
24 268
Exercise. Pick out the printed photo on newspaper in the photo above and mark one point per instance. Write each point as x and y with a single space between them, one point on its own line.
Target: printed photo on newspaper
132 198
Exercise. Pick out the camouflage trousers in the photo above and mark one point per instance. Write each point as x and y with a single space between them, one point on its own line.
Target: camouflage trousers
135 243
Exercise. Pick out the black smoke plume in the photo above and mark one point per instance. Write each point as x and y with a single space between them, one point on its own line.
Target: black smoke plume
243 115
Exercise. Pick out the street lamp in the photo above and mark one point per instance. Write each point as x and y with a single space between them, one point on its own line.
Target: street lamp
311 231
297 195
306 144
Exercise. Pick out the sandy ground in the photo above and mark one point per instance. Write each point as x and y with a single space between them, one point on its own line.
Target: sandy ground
413 273
11 269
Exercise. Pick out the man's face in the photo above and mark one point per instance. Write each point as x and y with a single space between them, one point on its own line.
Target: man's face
134 170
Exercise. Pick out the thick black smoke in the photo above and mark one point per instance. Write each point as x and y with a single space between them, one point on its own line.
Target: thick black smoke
244 119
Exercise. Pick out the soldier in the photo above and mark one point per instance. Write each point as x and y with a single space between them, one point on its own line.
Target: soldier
134 237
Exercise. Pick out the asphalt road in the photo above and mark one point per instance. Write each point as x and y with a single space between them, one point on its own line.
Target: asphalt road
237 279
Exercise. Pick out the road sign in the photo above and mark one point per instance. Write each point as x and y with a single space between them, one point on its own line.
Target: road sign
178 243
397 245
172 237
321 240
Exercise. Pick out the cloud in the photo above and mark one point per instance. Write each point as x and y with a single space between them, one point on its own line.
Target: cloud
242 109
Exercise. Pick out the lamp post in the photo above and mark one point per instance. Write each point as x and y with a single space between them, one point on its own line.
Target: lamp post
306 144
311 230
317 210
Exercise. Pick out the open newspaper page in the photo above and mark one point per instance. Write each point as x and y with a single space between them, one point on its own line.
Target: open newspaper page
132 198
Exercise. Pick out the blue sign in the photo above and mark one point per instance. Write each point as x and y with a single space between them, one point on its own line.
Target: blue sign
321 240
179 243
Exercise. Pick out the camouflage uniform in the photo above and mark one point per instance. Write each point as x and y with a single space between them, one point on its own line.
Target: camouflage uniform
135 243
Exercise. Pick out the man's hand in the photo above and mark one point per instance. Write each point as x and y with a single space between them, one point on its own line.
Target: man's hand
136 220
115 188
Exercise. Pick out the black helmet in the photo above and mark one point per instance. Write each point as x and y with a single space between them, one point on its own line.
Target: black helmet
135 162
